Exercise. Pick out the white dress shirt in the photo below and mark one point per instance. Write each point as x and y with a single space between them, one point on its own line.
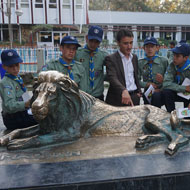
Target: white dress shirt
128 71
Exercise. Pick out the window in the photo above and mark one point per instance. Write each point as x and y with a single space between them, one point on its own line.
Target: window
12 3
52 4
79 4
66 4
24 4
39 4
45 37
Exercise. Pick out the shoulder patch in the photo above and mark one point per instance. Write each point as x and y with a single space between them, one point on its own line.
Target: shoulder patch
81 60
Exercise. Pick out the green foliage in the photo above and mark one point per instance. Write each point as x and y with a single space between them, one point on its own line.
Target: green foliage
168 6
119 5
42 27
104 43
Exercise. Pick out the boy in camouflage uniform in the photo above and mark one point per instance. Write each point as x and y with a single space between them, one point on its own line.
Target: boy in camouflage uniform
178 70
14 109
92 58
151 71
66 63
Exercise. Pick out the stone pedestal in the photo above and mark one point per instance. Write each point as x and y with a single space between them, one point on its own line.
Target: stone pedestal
99 163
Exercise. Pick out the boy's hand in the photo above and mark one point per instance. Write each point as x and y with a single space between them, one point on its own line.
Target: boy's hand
27 104
159 78
187 88
151 83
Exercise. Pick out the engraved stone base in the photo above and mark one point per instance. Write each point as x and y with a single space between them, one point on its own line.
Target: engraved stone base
95 163
84 149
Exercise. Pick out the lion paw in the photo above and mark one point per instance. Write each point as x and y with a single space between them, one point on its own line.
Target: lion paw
142 142
147 140
22 143
175 145
4 140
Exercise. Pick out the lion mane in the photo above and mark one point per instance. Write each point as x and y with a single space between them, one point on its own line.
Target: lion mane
59 105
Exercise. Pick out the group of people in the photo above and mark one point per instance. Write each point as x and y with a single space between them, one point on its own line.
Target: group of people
127 75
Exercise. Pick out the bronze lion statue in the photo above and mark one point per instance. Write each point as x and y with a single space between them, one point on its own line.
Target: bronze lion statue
66 114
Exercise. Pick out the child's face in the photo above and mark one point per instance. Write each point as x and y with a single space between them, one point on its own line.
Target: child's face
68 52
150 50
12 69
179 59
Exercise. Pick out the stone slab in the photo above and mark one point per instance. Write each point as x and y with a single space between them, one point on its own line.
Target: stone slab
152 171
95 163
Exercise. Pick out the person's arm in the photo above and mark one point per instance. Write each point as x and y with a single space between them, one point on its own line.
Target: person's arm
8 96
126 98
116 84
104 66
159 76
112 75
140 76
169 80
83 80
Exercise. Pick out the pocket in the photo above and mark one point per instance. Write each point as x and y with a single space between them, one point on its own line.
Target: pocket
98 73
19 96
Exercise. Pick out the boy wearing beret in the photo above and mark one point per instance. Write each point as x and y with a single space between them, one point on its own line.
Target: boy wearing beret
14 109
151 71
66 63
92 59
176 73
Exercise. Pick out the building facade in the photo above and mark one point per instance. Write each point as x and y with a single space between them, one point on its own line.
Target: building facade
47 21
167 26
62 15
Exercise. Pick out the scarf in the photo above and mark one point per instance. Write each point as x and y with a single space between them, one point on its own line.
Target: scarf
91 65
181 69
18 79
150 61
68 67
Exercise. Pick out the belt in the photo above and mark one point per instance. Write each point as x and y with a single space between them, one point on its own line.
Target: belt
133 92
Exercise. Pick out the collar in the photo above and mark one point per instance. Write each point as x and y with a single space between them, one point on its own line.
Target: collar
185 66
123 56
156 60
87 49
65 63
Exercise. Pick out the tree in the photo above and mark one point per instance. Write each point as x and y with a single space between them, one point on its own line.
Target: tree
167 6
119 5
184 6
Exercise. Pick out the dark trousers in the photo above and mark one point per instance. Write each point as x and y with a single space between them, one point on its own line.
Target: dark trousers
157 99
170 97
100 97
135 98
18 120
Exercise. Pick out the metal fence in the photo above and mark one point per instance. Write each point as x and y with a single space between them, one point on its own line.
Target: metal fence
29 56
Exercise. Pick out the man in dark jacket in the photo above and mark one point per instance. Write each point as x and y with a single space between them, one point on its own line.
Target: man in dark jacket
122 68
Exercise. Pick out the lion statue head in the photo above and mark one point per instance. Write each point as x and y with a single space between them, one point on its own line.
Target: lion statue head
59 105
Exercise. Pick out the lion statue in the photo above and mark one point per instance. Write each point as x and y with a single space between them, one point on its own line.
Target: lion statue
65 114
